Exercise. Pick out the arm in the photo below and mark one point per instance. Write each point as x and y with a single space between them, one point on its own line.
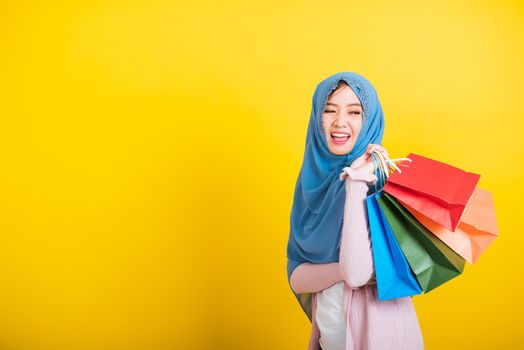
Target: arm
356 258
312 278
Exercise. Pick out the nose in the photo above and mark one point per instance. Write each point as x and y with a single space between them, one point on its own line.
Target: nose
340 120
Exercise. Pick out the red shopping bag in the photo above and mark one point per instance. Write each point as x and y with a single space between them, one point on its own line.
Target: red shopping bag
435 189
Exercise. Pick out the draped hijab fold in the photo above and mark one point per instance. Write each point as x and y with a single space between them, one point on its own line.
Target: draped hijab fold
319 197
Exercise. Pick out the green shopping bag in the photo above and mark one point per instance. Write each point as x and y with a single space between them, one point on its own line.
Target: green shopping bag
432 261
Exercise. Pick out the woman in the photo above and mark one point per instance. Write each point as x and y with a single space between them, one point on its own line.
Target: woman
330 262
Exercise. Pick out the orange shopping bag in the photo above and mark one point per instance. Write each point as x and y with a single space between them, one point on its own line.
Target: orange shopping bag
475 232
437 190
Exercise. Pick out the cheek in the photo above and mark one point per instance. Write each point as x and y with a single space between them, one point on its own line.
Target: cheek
326 122
356 125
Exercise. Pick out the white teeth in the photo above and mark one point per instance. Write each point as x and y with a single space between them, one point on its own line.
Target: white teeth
339 135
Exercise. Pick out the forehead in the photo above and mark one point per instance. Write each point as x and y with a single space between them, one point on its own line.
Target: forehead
342 97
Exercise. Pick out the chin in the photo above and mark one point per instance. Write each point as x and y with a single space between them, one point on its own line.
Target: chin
340 149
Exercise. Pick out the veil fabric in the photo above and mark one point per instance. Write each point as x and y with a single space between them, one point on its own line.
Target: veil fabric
319 197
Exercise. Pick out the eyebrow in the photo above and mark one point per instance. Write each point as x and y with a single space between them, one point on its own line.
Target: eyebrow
349 104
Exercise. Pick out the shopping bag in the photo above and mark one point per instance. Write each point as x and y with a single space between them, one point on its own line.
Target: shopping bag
435 189
432 261
475 232
393 274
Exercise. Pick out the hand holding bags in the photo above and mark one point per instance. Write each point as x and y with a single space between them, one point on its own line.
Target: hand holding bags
436 215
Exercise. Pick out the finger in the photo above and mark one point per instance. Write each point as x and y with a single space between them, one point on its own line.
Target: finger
370 149
382 150
379 148
374 148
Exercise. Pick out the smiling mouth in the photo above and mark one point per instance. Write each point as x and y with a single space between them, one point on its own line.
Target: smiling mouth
339 138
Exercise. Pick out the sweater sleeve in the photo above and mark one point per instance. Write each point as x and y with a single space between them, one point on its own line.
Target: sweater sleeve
312 278
356 257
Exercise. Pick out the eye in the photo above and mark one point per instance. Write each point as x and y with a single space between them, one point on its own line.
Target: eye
355 112
329 111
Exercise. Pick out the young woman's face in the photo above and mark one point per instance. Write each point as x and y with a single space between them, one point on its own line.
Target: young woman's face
342 117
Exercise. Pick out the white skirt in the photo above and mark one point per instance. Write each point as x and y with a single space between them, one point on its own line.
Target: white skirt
330 317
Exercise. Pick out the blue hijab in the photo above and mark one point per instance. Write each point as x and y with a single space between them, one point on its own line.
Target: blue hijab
318 202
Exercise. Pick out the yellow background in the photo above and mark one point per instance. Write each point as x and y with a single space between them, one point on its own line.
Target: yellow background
150 151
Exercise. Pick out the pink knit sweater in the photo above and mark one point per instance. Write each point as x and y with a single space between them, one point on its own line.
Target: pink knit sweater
370 323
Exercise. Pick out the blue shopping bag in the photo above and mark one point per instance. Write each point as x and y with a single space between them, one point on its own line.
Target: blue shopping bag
395 279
